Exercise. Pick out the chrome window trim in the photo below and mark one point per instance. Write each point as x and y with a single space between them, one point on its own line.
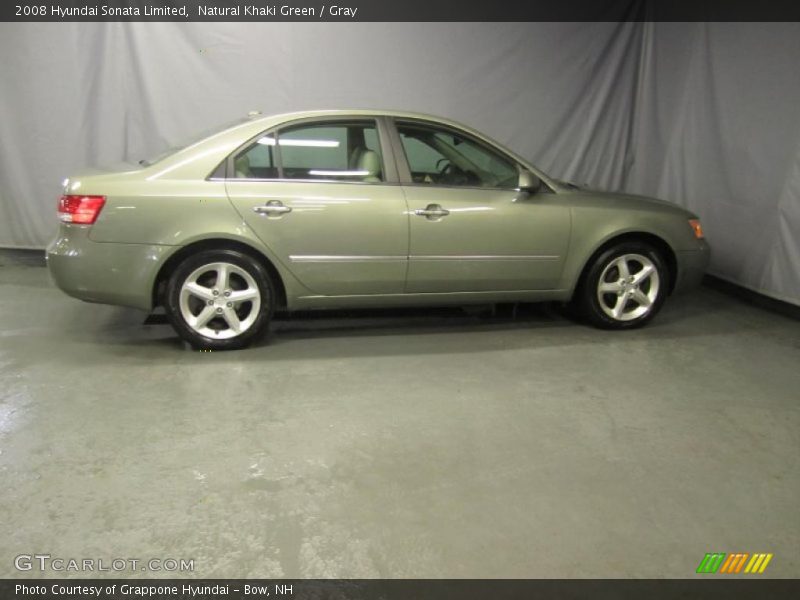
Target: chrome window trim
274 180
393 183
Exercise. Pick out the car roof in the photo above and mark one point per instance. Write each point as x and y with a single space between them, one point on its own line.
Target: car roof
354 112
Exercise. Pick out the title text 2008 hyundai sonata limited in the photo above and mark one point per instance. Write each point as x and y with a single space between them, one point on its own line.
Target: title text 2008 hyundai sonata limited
352 209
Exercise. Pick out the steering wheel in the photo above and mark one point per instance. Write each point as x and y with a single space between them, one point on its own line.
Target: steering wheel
452 174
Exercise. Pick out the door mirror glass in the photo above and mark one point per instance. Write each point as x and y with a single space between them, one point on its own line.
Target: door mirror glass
528 182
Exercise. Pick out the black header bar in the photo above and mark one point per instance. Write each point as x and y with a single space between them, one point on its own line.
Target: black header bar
399 10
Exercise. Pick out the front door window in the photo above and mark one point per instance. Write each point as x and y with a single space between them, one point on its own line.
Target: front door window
443 157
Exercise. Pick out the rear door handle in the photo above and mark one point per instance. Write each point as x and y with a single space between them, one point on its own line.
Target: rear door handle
432 211
273 207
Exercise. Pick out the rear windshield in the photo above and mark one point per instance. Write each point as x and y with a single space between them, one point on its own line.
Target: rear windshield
146 162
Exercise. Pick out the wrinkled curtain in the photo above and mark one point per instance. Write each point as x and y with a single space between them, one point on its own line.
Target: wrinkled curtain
718 131
707 116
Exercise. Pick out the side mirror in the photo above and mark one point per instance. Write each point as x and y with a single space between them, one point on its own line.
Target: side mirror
528 182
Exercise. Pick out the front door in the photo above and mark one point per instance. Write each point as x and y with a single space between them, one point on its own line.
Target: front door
470 230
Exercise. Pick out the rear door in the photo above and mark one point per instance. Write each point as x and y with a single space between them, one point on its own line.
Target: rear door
322 194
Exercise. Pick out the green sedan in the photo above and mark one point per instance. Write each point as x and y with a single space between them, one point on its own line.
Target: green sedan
345 209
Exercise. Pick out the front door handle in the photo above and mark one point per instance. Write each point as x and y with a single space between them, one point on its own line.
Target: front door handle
271 208
432 211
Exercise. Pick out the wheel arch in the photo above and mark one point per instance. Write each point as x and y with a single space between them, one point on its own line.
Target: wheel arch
658 242
166 269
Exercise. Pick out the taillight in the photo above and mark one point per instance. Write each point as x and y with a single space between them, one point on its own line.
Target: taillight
82 210
696 228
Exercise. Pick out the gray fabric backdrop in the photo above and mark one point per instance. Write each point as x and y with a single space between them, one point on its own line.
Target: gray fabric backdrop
707 116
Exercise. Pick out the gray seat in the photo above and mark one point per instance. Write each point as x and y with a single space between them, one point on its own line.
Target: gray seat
355 155
242 167
370 162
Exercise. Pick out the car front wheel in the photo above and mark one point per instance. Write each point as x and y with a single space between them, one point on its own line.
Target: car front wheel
624 287
219 299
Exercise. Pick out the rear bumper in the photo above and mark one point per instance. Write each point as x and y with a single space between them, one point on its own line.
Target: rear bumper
692 266
108 273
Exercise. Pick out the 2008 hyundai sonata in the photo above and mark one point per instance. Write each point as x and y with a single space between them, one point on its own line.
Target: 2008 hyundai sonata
360 209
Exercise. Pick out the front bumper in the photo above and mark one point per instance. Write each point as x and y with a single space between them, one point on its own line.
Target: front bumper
692 265
108 273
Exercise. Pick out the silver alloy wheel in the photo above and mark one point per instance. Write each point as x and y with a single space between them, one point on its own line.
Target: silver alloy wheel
220 300
628 287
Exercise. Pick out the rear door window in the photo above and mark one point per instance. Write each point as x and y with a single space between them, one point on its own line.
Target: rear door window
338 151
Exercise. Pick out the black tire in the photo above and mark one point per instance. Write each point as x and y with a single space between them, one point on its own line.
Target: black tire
593 306
218 333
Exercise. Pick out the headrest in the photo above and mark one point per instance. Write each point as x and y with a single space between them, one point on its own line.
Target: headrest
370 162
242 166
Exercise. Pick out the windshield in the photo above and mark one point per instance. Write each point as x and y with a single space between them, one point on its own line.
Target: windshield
193 140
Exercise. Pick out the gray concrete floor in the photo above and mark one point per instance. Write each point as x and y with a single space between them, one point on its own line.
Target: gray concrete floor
432 444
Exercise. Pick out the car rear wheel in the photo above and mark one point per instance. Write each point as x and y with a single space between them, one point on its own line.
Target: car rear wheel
220 299
624 287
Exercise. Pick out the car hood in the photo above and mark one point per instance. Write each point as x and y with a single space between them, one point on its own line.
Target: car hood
620 200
